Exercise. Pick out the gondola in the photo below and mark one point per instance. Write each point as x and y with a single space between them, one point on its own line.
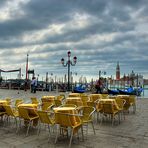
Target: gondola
136 92
113 92
79 89
125 92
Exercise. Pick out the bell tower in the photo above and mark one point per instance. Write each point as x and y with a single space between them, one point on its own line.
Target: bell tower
118 71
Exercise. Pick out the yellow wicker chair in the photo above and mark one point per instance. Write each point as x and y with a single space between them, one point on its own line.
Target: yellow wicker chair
87 112
108 109
11 112
24 114
65 120
44 118
121 102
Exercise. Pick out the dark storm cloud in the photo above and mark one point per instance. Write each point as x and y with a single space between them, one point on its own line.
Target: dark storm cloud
2 3
118 21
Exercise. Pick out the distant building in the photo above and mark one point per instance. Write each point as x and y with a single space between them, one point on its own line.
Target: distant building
118 71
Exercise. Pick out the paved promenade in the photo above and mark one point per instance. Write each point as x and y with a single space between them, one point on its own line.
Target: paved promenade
131 133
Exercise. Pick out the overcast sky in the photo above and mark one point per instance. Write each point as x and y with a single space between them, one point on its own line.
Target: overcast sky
98 32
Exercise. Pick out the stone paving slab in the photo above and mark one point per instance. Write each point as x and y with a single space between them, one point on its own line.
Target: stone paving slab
131 133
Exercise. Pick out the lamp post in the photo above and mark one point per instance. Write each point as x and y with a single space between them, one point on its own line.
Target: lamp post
69 63
101 72
27 67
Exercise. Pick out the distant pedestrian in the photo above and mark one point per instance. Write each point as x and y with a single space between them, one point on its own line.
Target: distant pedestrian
99 86
35 84
32 85
25 85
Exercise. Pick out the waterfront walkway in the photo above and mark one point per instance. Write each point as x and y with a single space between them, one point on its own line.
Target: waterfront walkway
131 133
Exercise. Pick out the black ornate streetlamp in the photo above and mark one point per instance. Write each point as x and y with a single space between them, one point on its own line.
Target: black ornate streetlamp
68 63
101 72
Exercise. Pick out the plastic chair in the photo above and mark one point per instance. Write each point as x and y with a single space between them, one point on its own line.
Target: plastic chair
72 121
87 112
11 112
45 119
24 114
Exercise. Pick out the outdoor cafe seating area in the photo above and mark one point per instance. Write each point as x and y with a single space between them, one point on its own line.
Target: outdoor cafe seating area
66 116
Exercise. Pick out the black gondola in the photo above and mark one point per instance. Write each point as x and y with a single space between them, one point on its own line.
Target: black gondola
113 92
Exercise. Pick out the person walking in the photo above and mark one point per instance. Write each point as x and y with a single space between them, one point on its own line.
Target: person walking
99 86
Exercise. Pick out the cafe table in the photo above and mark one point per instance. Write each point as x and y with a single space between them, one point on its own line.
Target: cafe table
113 101
74 100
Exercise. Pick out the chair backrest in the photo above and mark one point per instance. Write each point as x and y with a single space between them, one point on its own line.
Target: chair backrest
91 103
18 102
94 97
107 108
46 105
84 99
77 103
104 96
57 102
120 102
44 117
132 99
34 100
8 101
8 110
60 97
23 112
87 112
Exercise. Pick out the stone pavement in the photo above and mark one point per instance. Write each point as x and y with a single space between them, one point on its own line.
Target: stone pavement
131 133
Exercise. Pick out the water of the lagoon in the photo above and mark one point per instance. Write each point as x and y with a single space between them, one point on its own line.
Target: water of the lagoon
145 93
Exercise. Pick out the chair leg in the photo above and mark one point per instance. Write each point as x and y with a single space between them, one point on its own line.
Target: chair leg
19 126
58 130
71 138
82 133
39 128
28 128
93 127
49 133
16 122
134 108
